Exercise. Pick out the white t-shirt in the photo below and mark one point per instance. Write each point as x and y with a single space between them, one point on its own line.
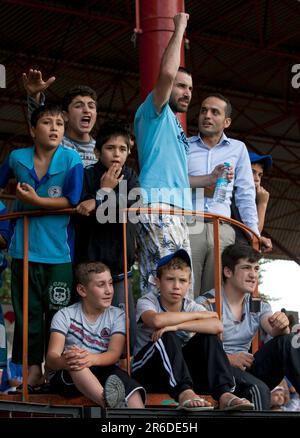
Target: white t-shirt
94 336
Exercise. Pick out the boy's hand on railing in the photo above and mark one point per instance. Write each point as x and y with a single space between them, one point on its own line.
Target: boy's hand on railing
265 244
86 207
34 83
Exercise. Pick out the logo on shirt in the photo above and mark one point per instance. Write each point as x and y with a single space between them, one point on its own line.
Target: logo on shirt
182 137
105 333
54 192
59 294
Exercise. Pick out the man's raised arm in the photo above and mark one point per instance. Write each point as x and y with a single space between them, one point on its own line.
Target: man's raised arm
170 63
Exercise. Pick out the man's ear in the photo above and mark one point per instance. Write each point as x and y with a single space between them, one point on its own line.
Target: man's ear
157 282
32 131
227 272
81 290
227 122
65 116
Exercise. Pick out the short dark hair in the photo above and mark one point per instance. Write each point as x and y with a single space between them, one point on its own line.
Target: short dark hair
48 108
184 70
233 253
84 270
228 108
78 90
113 129
175 263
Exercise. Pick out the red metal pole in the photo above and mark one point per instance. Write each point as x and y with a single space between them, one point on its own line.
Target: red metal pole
217 266
127 327
25 309
156 20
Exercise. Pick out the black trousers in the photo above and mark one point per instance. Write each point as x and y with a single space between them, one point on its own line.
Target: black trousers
167 366
119 301
62 383
276 359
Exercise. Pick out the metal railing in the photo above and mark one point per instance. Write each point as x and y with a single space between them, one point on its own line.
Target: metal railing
215 219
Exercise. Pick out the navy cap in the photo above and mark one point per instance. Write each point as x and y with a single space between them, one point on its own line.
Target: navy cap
265 160
181 254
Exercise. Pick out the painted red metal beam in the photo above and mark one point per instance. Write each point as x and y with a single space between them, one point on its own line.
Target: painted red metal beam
79 12
156 22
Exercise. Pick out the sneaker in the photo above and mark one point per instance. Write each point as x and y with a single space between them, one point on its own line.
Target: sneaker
114 392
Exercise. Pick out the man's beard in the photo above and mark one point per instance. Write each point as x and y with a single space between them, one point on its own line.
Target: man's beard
176 107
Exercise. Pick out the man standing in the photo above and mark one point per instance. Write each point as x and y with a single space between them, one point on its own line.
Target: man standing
162 149
210 147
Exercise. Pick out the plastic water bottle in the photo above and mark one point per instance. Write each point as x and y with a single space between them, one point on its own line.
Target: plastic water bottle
221 185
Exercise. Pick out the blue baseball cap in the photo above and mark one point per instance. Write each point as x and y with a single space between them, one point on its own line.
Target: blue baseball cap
265 160
180 253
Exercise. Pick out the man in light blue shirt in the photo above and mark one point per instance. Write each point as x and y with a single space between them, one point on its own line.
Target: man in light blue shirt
162 150
206 150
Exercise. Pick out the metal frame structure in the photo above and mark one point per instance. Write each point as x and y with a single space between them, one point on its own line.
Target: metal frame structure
244 49
26 215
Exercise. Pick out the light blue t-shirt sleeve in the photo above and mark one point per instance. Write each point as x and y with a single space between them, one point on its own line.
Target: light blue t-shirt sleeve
148 109
143 305
265 310
119 323
60 322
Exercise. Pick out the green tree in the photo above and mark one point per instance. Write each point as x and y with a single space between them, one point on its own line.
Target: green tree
262 263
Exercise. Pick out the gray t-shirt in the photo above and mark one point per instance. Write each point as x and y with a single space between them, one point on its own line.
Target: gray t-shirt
150 301
94 336
237 335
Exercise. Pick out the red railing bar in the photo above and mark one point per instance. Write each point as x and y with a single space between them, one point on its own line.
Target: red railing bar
137 17
127 329
216 220
217 266
25 308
